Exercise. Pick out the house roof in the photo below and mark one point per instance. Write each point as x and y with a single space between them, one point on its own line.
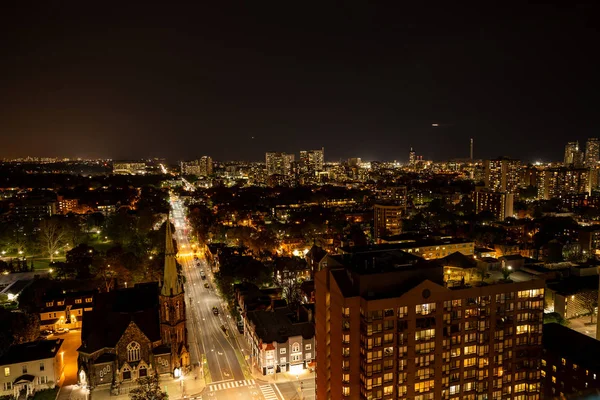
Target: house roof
31 351
458 260
279 324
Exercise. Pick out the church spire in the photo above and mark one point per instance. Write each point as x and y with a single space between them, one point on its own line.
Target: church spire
171 284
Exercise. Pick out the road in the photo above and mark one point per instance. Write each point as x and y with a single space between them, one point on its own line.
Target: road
209 344
227 376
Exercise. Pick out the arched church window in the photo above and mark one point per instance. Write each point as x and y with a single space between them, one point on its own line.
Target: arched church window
177 310
166 311
133 352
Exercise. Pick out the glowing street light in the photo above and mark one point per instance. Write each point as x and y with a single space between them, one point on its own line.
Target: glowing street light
20 251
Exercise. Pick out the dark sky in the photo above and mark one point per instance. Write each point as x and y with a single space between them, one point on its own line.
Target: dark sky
127 80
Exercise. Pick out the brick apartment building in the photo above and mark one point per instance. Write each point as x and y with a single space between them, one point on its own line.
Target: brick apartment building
388 328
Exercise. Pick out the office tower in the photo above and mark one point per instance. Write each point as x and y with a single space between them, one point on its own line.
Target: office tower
592 152
498 203
205 165
311 161
471 150
406 335
412 157
279 163
388 219
559 182
502 175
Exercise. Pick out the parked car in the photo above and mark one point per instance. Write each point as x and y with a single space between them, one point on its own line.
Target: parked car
215 310
206 285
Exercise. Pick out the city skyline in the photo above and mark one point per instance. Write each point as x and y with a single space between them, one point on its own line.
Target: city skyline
174 82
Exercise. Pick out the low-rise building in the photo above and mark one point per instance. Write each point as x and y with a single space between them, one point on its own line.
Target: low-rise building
66 310
428 249
29 367
281 340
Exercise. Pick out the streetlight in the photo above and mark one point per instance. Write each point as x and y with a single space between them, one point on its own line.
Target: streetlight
20 252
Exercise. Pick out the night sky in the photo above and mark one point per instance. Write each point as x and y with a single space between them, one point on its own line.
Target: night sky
126 80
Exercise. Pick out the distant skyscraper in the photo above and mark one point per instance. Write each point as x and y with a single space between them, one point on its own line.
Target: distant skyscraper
573 156
592 152
412 157
279 163
559 182
201 167
311 161
471 150
205 165
502 175
354 162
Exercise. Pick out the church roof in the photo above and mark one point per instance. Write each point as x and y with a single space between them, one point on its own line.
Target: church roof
171 282
114 311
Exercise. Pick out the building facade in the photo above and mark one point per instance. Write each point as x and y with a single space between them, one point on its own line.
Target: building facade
387 220
281 339
278 163
570 366
29 367
498 203
502 175
404 335
66 310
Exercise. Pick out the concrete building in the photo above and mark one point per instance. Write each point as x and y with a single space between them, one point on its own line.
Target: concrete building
201 167
281 339
30 367
498 203
65 206
279 163
502 175
404 335
387 219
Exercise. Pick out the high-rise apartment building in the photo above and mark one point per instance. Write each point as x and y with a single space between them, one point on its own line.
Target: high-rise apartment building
205 165
502 175
573 156
592 152
278 163
406 335
498 203
388 219
560 182
354 162
311 161
201 167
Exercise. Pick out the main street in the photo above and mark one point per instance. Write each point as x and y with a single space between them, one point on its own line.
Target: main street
216 355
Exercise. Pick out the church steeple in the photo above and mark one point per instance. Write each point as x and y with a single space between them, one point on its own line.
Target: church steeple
171 283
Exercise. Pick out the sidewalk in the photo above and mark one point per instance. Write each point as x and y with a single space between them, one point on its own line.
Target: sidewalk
188 388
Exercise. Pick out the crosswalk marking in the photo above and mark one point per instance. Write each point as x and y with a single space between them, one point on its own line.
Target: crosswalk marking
230 385
268 392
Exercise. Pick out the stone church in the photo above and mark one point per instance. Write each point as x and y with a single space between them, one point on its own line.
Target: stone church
136 332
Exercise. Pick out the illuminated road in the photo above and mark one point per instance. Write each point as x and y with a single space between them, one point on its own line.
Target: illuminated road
208 342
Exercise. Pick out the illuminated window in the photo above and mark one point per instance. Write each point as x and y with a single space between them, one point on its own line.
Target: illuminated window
6 371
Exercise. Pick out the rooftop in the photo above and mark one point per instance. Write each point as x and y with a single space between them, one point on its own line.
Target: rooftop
31 351
404 245
279 324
